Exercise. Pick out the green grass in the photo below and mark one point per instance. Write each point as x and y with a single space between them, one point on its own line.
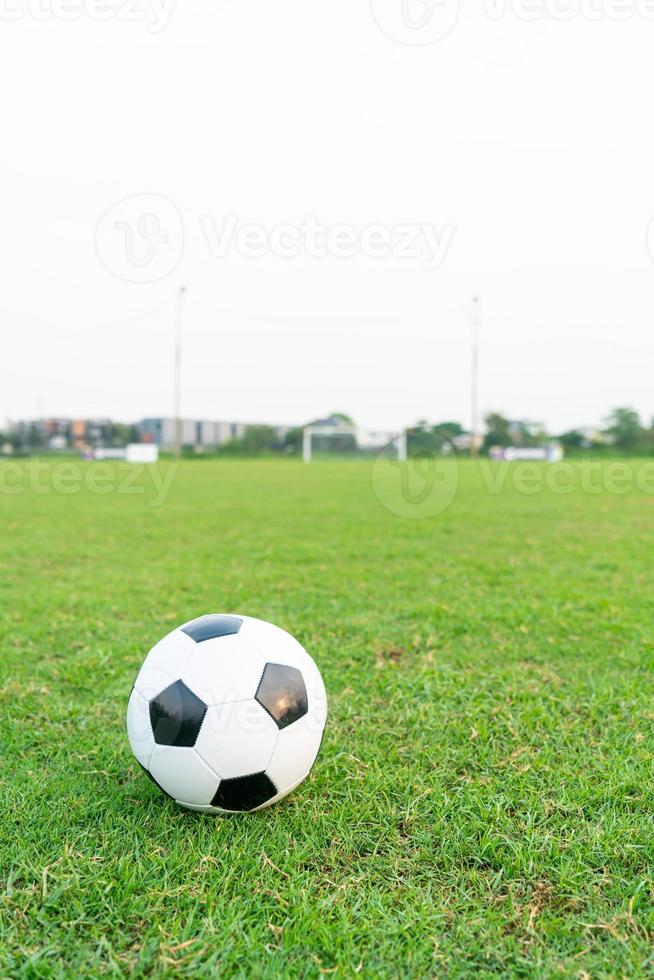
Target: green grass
483 802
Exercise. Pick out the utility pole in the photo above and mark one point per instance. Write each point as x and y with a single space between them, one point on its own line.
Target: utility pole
178 372
474 389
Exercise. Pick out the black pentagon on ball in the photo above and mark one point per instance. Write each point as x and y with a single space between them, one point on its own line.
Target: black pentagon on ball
244 793
282 692
176 716
210 627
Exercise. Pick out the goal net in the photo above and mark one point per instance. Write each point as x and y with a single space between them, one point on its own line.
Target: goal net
352 441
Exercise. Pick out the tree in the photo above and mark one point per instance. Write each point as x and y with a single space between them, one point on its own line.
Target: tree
293 441
119 435
498 431
257 439
11 439
572 439
624 426
505 432
438 438
448 430
525 433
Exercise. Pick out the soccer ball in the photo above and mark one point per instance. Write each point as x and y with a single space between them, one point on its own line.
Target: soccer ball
227 714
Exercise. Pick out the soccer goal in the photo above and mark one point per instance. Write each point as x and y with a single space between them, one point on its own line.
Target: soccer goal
352 441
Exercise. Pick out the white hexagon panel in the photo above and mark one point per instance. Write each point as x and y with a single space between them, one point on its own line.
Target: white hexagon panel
224 669
183 775
237 739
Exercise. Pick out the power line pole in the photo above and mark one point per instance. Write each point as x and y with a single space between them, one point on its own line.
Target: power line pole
474 391
178 372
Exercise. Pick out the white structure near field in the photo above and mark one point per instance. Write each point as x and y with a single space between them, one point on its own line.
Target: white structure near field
209 435
552 453
135 452
363 440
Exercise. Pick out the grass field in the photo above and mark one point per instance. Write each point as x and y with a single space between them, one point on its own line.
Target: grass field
483 802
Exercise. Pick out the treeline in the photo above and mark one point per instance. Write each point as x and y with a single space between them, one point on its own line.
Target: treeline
622 432
258 440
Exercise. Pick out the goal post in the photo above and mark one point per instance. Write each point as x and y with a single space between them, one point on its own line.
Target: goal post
362 440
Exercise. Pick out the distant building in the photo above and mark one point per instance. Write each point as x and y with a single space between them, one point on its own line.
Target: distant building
91 432
55 427
592 436
333 421
199 433
463 443
58 434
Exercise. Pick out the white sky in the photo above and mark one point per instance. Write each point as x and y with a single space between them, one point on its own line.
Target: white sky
532 139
